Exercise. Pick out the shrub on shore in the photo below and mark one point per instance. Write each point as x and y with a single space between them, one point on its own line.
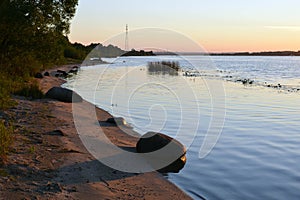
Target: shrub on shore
6 132
30 90
21 86
6 86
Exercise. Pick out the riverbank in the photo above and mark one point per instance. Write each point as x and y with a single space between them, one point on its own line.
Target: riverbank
49 161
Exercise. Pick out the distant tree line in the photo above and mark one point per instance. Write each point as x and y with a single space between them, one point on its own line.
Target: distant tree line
266 53
79 51
134 52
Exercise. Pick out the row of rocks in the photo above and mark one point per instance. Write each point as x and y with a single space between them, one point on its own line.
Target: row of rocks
150 142
245 81
64 74
59 93
58 73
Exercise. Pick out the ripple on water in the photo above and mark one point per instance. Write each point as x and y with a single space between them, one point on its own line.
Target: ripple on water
257 155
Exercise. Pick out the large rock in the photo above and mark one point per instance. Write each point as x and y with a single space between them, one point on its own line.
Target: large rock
64 95
38 75
74 70
61 73
152 141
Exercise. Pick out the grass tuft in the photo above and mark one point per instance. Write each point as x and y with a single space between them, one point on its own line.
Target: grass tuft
30 90
6 134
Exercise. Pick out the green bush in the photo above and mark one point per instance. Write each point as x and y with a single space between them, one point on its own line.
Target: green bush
19 86
5 140
31 90
6 85
5 100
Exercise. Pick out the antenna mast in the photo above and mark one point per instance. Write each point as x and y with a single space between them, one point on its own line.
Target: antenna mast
126 39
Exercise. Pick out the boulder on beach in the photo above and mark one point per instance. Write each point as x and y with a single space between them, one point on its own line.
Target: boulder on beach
38 75
64 95
46 74
152 141
62 73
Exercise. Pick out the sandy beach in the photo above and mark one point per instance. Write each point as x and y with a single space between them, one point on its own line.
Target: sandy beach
49 161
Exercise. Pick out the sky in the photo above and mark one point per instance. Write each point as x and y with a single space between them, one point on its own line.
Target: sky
215 25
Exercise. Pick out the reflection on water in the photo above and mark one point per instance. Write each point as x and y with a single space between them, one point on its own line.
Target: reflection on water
257 156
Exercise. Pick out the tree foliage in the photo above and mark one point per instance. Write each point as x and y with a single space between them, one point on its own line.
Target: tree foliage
33 33
81 52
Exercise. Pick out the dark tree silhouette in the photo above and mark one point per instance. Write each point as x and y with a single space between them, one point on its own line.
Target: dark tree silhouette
33 33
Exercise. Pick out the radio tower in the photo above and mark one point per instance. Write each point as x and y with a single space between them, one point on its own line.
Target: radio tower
126 39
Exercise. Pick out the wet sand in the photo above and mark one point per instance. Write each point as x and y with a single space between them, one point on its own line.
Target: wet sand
49 161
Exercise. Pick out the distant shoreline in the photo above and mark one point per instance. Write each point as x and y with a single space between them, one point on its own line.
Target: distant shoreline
267 53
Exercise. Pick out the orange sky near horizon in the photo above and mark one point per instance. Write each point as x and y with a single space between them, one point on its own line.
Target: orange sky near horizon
216 25
251 40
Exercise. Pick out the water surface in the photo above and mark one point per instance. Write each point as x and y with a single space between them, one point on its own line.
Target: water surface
257 155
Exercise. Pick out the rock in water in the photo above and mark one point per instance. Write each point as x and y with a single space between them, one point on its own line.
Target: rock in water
152 141
118 121
74 70
64 95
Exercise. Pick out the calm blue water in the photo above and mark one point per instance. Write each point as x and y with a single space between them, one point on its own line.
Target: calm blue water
257 155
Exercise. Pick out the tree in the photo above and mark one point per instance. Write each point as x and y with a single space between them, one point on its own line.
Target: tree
33 33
